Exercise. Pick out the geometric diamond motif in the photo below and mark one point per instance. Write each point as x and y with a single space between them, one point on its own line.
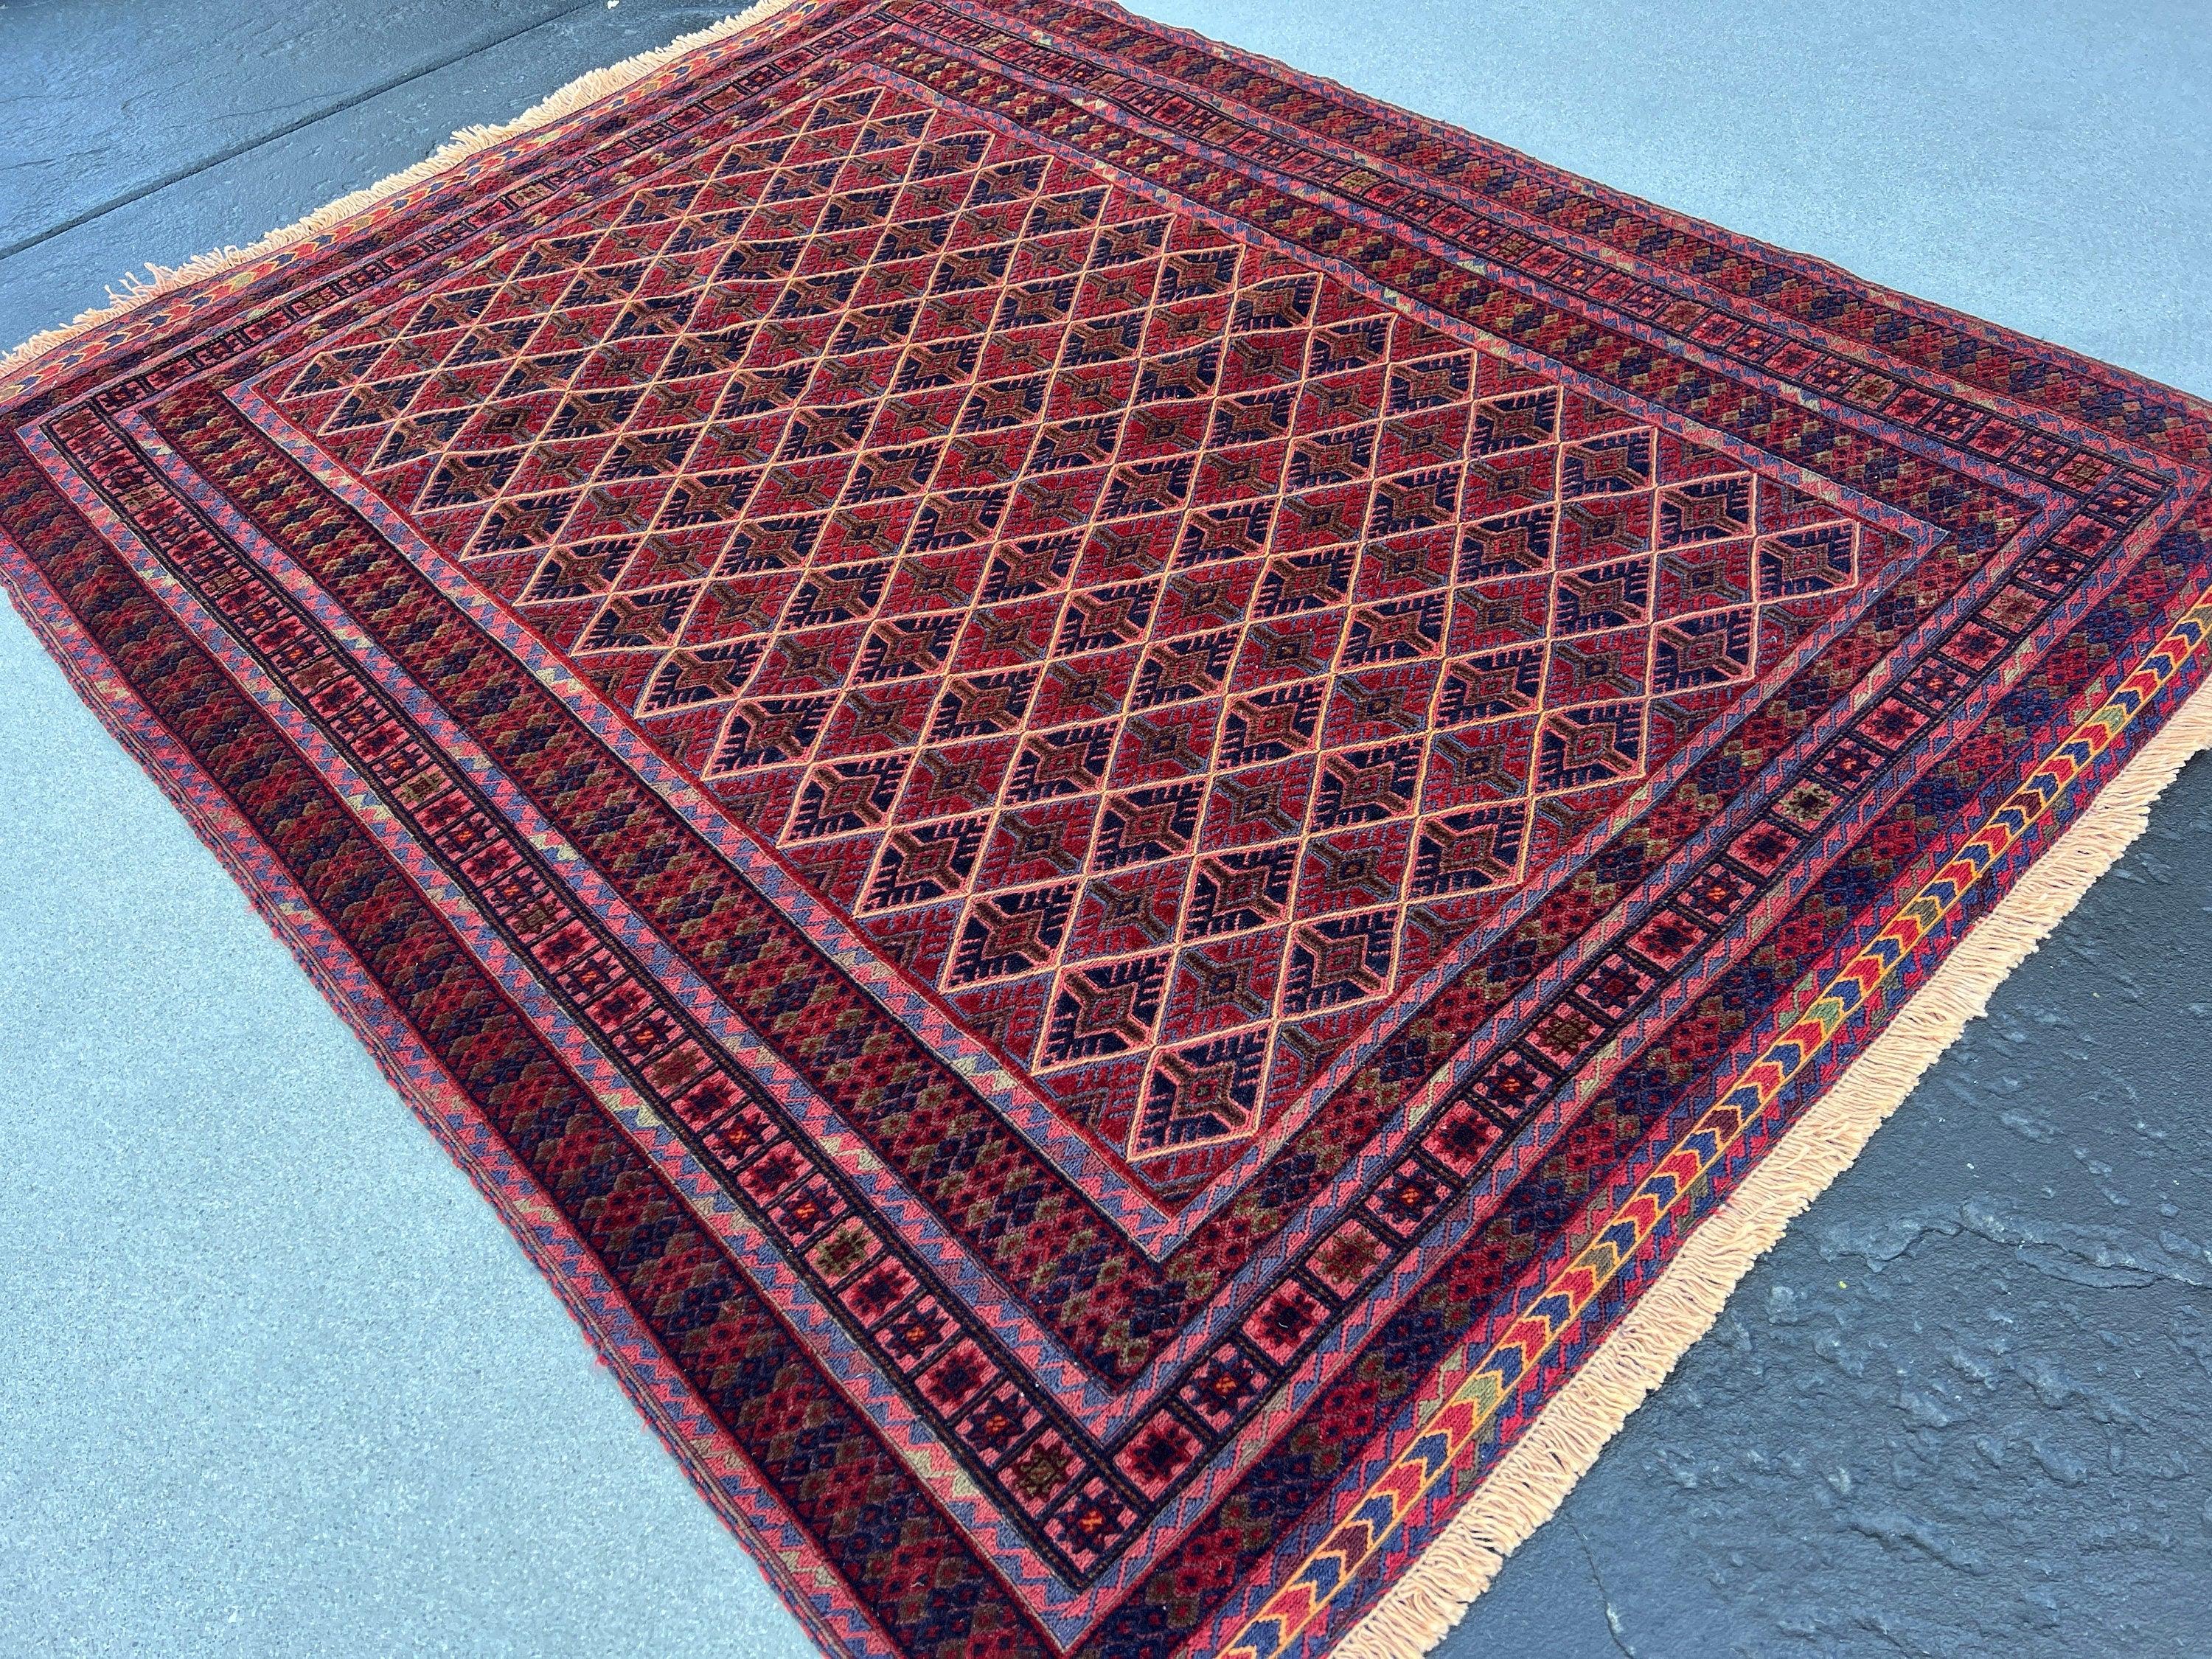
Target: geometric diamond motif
1160 650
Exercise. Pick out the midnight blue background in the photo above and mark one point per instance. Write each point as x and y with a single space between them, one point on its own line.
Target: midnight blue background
273 1378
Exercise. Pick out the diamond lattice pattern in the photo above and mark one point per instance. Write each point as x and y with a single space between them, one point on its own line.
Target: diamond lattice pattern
1159 649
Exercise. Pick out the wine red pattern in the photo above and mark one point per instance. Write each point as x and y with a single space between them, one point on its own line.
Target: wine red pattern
1158 650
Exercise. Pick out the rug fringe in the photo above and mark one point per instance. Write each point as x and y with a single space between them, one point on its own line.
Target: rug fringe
585 90
1533 1477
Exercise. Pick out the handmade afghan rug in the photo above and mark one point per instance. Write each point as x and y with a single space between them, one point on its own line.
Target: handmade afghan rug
1140 815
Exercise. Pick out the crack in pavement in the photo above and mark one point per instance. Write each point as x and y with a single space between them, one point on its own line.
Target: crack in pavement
1612 1626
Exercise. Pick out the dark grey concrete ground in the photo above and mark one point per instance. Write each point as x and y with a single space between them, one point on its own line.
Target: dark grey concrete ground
319 1404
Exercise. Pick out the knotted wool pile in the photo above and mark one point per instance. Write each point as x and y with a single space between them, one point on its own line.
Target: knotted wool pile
1140 815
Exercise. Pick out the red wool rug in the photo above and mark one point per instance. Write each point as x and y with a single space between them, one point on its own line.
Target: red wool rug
1141 816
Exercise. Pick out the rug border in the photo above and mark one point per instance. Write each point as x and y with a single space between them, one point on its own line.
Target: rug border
1526 1484
580 1285
1562 1441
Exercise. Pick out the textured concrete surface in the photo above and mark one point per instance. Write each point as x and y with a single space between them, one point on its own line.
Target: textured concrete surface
274 1381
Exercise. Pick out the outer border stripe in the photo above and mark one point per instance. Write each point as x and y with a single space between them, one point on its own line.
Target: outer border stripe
1394 1494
